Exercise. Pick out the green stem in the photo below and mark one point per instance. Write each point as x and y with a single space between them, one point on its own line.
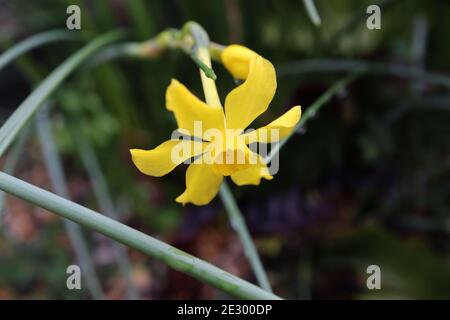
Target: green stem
153 48
238 224
207 70
172 256
370 67
215 50
25 111
208 84
236 219
312 11
58 180
312 110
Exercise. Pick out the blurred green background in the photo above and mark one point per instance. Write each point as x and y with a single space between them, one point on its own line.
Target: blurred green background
366 182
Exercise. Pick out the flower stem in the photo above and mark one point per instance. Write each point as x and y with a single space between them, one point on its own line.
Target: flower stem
312 110
172 39
307 66
209 85
238 224
235 215
207 70
31 104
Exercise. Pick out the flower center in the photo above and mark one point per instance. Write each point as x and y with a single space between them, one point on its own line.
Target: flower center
227 153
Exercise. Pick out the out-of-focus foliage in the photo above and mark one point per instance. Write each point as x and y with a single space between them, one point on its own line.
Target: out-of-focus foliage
366 182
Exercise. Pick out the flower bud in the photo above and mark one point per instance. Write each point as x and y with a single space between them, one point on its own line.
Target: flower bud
237 59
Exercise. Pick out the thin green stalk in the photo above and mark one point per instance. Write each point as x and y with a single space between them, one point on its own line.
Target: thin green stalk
236 219
149 49
358 19
238 224
128 236
106 205
351 65
312 110
312 11
58 180
208 71
25 111
34 42
154 47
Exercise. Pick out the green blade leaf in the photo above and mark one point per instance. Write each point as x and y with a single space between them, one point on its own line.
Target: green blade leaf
313 109
25 111
172 256
34 42
312 12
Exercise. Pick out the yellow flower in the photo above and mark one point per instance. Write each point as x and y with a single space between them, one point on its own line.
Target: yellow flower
237 59
211 152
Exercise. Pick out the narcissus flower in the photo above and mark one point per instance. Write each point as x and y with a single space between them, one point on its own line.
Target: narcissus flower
222 136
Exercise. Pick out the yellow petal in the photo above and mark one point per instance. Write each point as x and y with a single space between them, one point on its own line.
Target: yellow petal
251 98
237 59
165 157
250 176
277 129
202 185
253 173
188 109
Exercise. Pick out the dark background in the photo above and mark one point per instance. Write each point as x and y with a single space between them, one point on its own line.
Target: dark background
366 182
